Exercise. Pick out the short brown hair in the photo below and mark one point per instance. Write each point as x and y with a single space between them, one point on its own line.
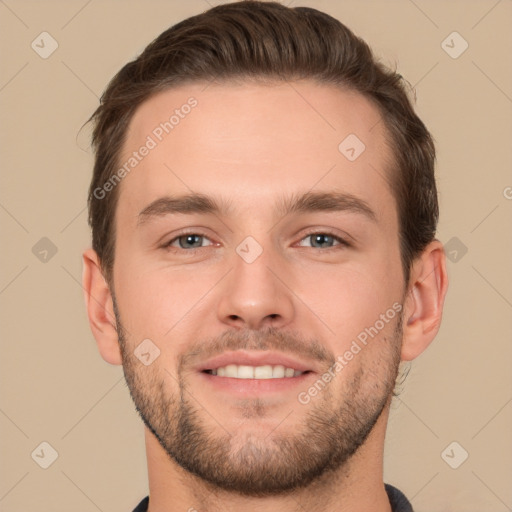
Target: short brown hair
266 40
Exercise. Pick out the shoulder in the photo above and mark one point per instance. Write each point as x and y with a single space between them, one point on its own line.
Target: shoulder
398 501
142 506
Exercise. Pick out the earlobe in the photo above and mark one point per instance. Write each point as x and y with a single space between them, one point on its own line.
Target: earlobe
100 311
424 301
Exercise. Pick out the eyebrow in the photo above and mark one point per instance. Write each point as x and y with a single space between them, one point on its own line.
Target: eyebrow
195 203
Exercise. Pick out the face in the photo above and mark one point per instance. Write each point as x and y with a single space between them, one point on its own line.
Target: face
259 259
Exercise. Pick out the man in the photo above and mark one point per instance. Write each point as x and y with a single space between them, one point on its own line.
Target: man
263 210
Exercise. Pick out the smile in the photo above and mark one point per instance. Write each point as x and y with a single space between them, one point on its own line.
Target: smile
255 372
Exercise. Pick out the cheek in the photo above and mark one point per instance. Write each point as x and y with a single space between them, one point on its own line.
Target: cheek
159 302
350 298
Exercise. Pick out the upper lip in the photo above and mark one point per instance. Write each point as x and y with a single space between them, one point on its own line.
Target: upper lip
255 358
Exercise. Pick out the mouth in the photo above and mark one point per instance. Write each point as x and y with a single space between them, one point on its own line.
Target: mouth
255 372
251 373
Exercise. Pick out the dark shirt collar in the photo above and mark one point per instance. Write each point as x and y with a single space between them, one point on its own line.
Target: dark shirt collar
399 503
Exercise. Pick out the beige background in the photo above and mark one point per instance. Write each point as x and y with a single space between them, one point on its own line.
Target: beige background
54 385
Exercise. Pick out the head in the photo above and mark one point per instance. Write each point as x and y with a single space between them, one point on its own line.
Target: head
245 112
268 42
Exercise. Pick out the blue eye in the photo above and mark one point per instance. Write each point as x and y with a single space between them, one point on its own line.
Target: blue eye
324 240
188 241
317 240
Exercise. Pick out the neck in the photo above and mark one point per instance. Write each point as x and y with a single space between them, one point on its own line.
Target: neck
357 486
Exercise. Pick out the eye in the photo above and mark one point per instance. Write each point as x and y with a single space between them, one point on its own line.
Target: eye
317 240
188 241
321 240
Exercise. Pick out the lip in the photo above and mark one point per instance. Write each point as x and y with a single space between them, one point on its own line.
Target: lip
256 358
250 388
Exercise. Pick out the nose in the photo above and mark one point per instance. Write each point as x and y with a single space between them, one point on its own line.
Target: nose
255 295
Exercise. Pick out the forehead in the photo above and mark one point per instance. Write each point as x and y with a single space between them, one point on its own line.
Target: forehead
250 142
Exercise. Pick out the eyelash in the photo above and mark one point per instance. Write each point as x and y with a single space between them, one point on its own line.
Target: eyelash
342 243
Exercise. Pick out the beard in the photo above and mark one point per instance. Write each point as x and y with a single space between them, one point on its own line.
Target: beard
335 426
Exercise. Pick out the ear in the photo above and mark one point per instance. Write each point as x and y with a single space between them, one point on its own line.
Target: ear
100 308
424 302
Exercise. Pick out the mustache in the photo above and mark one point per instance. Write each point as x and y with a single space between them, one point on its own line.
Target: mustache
290 342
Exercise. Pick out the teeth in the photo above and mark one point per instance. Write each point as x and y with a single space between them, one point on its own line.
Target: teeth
277 372
244 372
255 372
231 370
